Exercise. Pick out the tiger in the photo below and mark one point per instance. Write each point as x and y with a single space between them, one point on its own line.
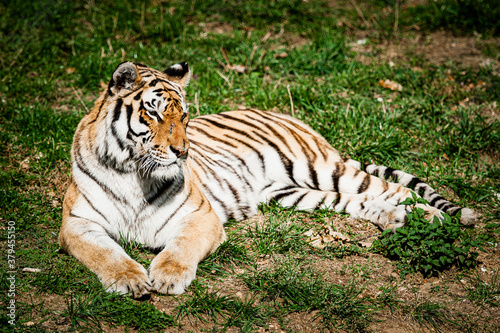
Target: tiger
139 172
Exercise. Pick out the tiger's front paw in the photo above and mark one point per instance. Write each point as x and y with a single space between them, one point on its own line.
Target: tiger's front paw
130 277
169 276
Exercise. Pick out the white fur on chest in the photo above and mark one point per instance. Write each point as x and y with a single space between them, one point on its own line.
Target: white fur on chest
120 206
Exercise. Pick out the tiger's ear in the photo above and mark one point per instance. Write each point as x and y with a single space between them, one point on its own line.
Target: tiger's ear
124 77
179 73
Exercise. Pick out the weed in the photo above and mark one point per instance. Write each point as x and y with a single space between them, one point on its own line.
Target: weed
388 297
432 315
79 311
303 289
484 293
427 247
223 310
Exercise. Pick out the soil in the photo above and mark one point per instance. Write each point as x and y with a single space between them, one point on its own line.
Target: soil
437 48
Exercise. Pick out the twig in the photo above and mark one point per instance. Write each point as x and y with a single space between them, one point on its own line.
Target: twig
282 30
262 56
222 64
349 25
291 101
16 56
360 13
224 77
197 104
80 99
397 17
362 239
225 57
254 48
110 46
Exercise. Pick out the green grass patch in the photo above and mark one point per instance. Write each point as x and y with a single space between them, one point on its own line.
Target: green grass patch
229 255
224 311
281 233
300 288
484 292
431 315
87 311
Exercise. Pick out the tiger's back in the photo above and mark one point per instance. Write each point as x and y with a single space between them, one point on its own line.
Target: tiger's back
247 157
241 157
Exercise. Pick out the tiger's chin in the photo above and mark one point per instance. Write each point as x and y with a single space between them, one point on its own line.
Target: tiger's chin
163 172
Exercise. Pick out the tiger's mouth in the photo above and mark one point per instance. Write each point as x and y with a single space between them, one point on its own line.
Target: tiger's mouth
154 161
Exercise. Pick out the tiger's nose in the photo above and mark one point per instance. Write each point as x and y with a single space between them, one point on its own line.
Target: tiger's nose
178 151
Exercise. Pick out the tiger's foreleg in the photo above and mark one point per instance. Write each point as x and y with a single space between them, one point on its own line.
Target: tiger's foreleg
199 234
89 242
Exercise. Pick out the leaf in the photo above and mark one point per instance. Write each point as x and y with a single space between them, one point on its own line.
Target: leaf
388 84
366 244
407 201
238 68
281 55
442 260
322 238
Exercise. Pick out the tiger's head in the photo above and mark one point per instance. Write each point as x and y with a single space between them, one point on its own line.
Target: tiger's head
146 118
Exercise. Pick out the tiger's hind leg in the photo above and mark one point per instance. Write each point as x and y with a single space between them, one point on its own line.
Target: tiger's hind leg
351 178
364 206
378 197
468 216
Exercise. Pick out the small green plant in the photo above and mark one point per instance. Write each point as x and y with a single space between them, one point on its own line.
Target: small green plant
431 315
388 296
482 292
426 247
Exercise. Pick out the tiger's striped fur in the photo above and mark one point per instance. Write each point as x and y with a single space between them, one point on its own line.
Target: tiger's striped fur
140 173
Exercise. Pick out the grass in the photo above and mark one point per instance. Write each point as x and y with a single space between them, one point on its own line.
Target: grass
484 293
86 311
431 315
301 289
442 126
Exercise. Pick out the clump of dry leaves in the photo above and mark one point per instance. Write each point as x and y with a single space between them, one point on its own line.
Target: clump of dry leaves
324 237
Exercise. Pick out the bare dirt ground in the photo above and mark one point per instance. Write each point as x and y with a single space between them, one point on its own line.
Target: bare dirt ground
437 48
